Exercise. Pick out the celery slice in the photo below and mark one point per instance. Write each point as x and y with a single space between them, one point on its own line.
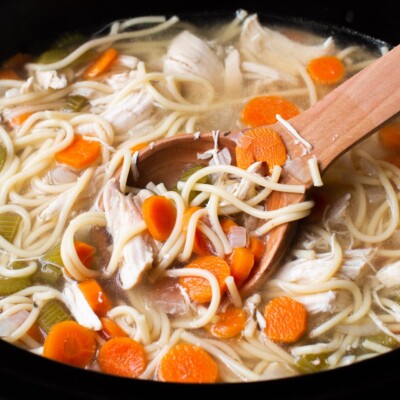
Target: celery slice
190 170
310 363
3 156
75 103
12 285
69 40
52 313
53 257
52 55
381 338
48 273
9 224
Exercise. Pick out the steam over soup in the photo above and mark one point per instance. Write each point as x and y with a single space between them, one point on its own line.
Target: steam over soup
146 282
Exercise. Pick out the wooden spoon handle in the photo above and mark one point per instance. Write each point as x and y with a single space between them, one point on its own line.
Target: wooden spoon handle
352 111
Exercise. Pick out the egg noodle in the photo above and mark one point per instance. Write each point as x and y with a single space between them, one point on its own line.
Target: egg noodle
341 267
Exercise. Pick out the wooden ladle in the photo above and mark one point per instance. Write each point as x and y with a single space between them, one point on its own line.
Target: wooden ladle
348 114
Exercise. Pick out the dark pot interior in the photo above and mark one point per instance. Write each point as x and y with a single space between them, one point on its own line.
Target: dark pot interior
26 25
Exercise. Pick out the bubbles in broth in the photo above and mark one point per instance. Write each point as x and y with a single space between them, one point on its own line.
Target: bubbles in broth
152 276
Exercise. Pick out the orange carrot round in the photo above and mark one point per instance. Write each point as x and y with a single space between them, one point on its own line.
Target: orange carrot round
95 296
241 263
260 144
102 64
198 289
286 319
70 343
80 153
159 214
227 224
389 135
111 329
201 245
187 363
326 70
85 252
19 119
122 356
257 247
262 110
230 323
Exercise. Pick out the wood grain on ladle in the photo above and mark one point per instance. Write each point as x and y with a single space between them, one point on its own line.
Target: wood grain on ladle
345 116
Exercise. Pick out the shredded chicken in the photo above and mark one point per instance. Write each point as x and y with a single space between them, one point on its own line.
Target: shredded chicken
188 54
390 275
122 212
273 48
130 111
79 307
51 80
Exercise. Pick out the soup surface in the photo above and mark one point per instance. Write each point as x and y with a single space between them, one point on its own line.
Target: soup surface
145 282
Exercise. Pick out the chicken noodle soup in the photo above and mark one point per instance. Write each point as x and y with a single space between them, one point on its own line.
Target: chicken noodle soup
146 282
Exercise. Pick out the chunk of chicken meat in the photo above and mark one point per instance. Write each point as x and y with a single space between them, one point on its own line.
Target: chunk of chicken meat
188 54
273 48
122 212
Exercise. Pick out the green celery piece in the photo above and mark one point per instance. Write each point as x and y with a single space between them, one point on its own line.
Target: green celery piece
3 156
52 313
52 55
188 172
9 223
53 257
75 103
48 273
12 285
381 338
310 363
69 40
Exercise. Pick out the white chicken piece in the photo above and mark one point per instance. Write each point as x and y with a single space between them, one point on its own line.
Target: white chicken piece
390 275
273 48
319 302
122 212
51 79
355 262
131 110
188 54
79 307
233 75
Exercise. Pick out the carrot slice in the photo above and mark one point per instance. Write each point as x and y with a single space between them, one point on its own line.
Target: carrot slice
159 214
227 224
95 296
187 363
286 319
257 247
201 245
241 262
230 323
85 252
198 289
111 329
326 70
18 60
8 73
70 343
35 333
262 110
122 356
260 144
80 153
389 135
139 146
19 120
102 64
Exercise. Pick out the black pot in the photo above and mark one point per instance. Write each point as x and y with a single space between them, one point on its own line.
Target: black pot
29 24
